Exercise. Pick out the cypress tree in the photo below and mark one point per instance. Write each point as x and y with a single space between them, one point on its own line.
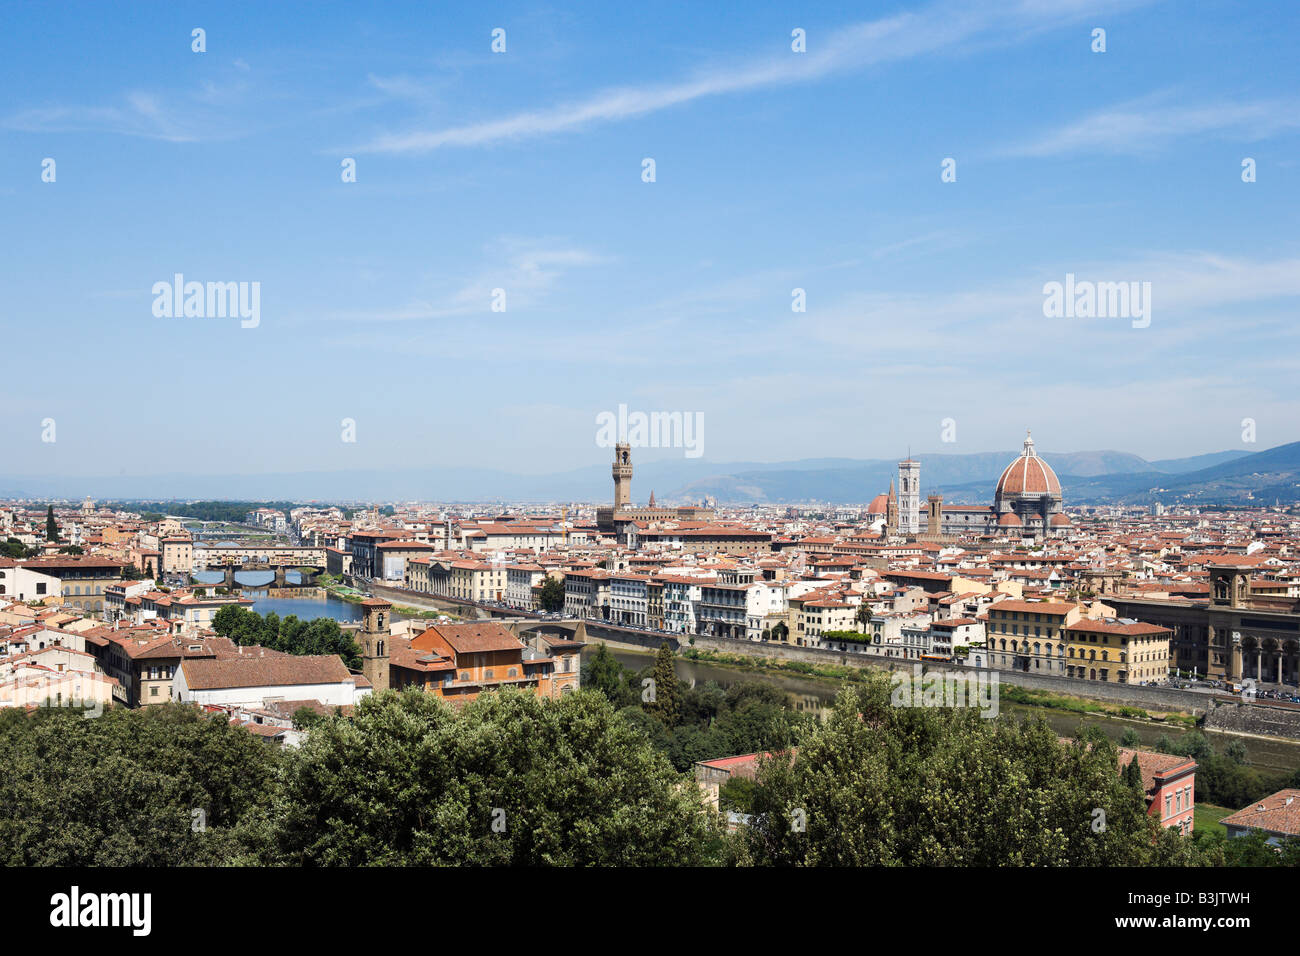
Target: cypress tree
666 704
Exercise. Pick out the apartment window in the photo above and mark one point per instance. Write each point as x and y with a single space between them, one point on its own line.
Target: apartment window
153 691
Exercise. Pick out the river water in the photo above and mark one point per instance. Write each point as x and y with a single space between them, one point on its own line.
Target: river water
307 608
816 696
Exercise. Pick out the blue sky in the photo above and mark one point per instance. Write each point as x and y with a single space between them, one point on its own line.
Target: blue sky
522 171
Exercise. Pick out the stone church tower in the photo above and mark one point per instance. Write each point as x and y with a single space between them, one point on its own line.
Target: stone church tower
622 471
934 515
891 511
909 497
374 643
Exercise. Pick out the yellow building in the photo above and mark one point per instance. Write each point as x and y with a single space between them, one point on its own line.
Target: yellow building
1030 635
1121 652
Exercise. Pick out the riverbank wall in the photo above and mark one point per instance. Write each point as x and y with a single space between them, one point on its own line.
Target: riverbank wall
1133 695
1256 717
1232 716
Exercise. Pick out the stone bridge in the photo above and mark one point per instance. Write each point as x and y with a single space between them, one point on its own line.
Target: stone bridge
307 573
216 557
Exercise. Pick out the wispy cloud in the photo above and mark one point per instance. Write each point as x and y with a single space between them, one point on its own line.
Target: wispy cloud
526 269
1145 126
139 115
935 29
189 117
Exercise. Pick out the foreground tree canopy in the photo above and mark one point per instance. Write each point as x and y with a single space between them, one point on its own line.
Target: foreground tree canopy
509 779
926 786
513 780
166 786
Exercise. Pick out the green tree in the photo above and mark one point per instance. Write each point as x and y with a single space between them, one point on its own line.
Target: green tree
51 529
321 635
665 702
877 784
551 594
13 548
1130 739
508 779
863 616
161 786
602 672
1133 775
305 718
1250 850
737 794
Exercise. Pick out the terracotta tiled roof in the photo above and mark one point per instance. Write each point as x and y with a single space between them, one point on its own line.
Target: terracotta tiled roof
210 674
1278 813
472 638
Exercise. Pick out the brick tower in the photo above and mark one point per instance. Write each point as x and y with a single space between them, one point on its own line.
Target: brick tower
622 471
374 643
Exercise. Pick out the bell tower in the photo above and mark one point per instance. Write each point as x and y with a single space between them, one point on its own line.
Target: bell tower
622 471
934 515
1229 586
909 496
374 643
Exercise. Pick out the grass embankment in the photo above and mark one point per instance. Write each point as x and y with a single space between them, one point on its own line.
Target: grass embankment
1007 692
833 672
1207 817
1082 705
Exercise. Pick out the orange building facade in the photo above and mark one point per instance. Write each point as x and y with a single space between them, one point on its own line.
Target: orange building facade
460 661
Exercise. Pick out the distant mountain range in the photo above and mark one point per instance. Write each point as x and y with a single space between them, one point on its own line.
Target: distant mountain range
1086 477
1089 477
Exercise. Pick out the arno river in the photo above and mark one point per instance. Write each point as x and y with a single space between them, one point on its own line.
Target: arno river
817 695
304 607
814 694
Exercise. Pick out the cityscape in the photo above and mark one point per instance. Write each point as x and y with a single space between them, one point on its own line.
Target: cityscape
684 439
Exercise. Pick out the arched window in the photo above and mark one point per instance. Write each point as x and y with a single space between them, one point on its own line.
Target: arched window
379 649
